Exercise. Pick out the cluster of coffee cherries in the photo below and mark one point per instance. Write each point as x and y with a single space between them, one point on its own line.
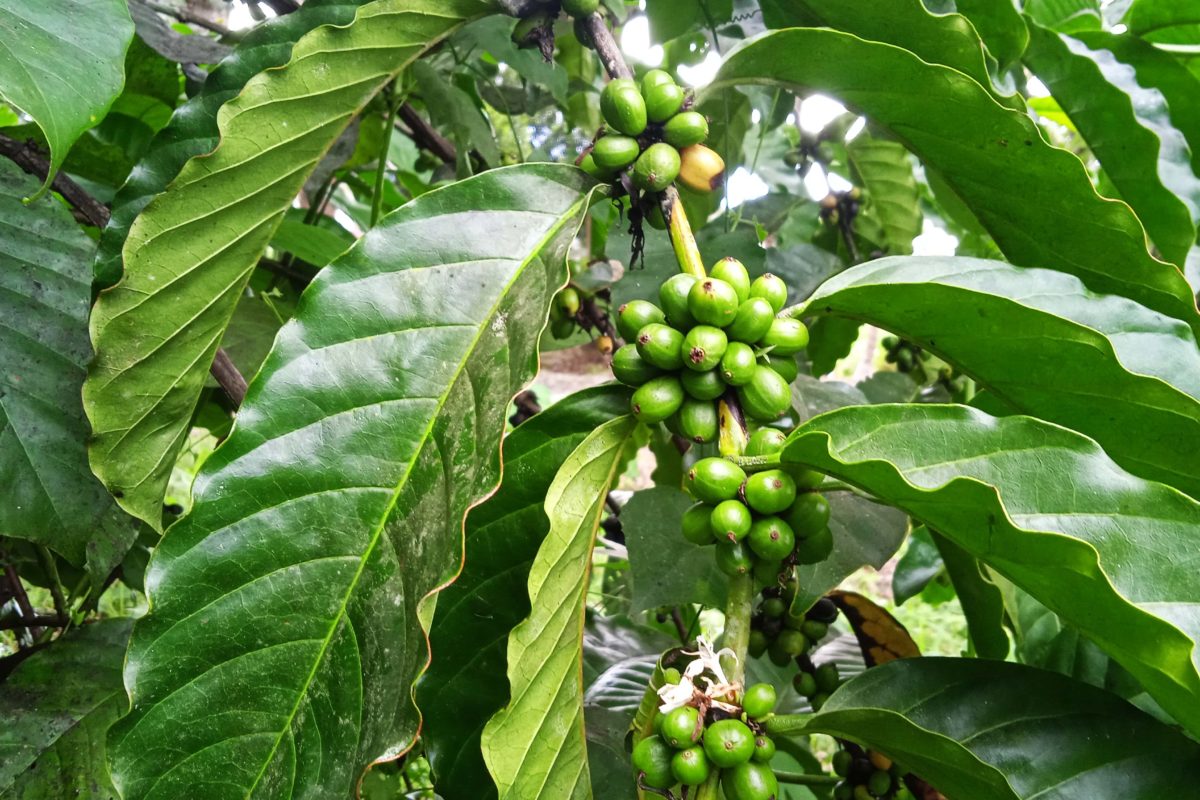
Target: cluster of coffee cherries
650 131
760 523
711 334
689 742
867 775
841 206
574 308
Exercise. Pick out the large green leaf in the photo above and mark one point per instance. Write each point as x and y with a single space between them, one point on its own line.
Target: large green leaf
191 251
1046 508
336 518
999 25
1065 16
193 129
57 707
1155 69
1129 130
466 684
63 64
891 190
947 39
535 747
1041 342
1037 201
1149 16
989 730
50 494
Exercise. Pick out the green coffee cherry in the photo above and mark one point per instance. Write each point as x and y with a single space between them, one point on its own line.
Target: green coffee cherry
652 757
664 101
657 399
713 302
843 791
764 442
703 347
827 677
661 345
685 129
861 792
690 766
580 8
766 573
635 315
654 215
656 77
562 328
681 728
695 524
672 676
786 336
771 539
702 385
656 168
764 749
779 657
733 272
615 153
815 548
733 558
728 742
794 643
730 521
525 34
805 478
806 686
766 396
752 320
630 369
588 164
842 760
880 783
814 630
770 492
568 301
773 607
749 781
809 514
673 296
714 479
903 794
758 644
698 420
738 364
772 289
785 366
759 700
623 107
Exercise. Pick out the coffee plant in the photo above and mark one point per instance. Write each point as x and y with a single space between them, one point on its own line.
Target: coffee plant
542 399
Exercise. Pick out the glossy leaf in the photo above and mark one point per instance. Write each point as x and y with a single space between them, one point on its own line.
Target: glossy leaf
980 598
338 518
947 39
193 129
465 684
50 494
1129 130
666 568
57 707
1066 16
1041 342
191 251
999 25
1044 507
1150 16
990 730
891 192
64 76
919 567
535 746
1037 201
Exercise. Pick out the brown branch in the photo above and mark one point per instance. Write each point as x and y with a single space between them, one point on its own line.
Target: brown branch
23 604
228 377
427 136
191 18
26 156
37 621
606 47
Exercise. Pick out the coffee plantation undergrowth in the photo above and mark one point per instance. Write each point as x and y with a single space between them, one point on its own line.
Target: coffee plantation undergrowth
533 400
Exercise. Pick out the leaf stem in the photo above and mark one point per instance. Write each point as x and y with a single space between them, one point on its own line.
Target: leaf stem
787 724
56 587
756 463
381 165
687 253
803 779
